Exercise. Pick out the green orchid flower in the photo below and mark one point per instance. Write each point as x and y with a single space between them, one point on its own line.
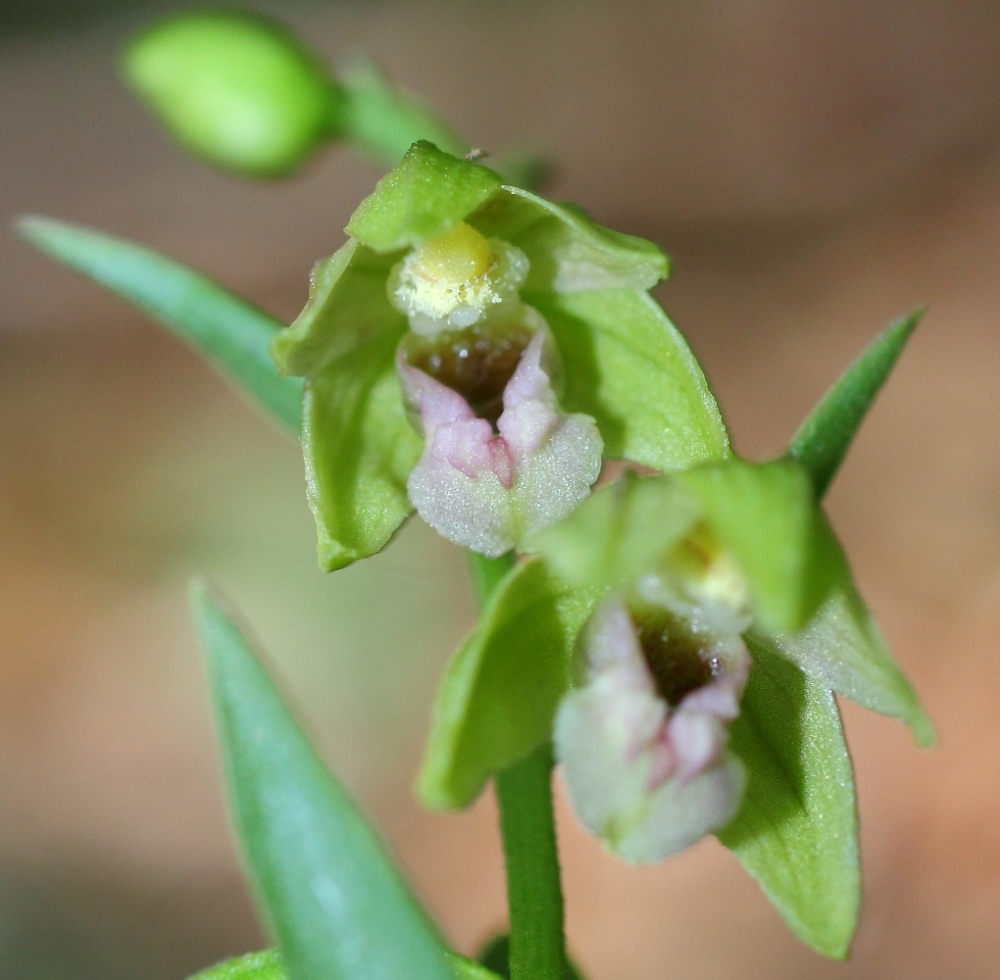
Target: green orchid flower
473 352
680 637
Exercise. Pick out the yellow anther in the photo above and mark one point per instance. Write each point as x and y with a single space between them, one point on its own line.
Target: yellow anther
455 258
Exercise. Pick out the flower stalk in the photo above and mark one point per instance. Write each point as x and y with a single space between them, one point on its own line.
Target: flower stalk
527 825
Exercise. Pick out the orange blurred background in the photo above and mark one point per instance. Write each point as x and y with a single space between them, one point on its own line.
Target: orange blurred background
814 168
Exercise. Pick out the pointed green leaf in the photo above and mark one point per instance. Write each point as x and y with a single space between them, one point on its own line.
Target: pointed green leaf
567 250
233 334
466 969
766 516
499 695
619 532
359 446
268 965
842 648
797 830
385 121
825 436
424 196
325 885
626 365
265 965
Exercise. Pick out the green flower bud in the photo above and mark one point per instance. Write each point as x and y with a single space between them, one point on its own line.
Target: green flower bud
236 89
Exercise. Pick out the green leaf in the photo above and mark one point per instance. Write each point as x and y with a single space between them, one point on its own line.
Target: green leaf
797 829
426 195
466 969
825 436
359 446
842 648
766 516
233 334
627 365
384 121
331 896
619 532
499 695
237 89
268 965
265 965
567 250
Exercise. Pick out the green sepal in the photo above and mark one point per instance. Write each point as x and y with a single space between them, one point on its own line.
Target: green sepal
359 449
358 445
568 251
619 532
268 965
384 121
628 366
797 829
232 333
323 881
236 89
499 695
347 309
842 648
766 517
822 441
426 195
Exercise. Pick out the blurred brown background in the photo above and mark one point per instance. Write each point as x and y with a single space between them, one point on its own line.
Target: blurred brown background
815 168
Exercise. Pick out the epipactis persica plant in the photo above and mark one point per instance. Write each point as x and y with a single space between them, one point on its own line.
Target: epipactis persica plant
477 353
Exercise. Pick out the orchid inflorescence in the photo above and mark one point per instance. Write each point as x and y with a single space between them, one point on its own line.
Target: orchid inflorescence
481 355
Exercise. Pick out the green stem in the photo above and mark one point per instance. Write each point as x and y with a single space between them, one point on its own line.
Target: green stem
527 824
534 889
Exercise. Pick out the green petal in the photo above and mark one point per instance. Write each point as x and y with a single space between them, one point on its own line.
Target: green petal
330 894
359 446
568 251
499 695
843 649
620 532
824 438
766 516
428 193
232 333
628 367
797 830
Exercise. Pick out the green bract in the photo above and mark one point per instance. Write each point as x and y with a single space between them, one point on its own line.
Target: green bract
622 362
236 89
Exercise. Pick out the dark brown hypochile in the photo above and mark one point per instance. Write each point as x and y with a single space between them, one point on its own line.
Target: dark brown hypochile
475 363
673 657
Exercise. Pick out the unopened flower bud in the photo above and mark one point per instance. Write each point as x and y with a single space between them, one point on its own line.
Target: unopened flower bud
236 89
